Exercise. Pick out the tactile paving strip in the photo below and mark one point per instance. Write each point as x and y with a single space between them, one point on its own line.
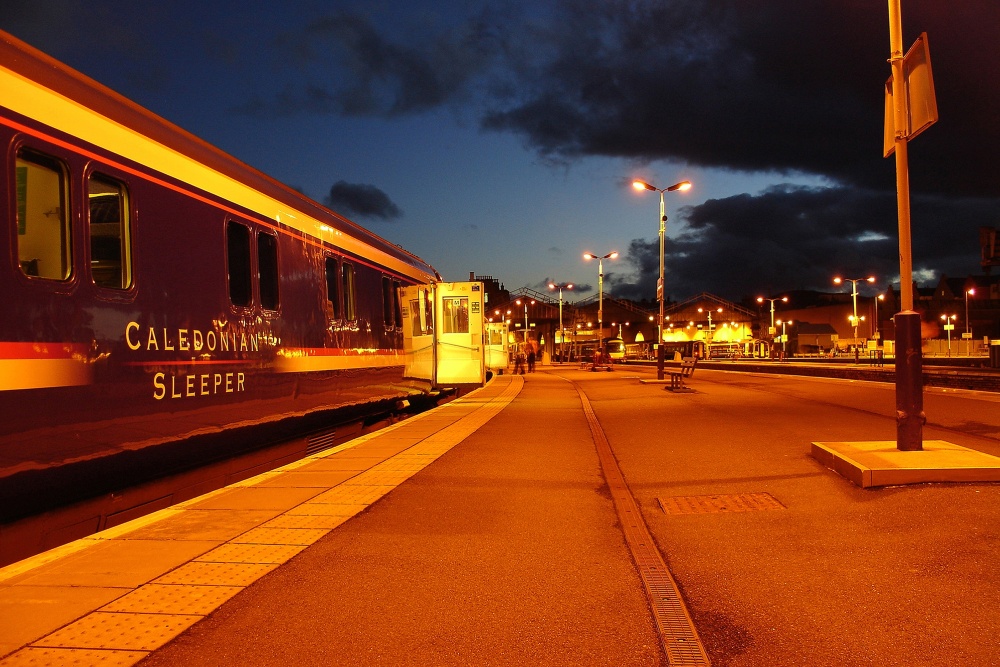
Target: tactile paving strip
173 599
120 631
232 552
37 657
738 502
216 574
677 632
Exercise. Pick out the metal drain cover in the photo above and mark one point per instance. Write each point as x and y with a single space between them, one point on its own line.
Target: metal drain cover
738 502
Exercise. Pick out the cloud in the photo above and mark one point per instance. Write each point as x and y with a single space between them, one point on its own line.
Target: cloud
363 201
342 64
793 86
790 237
786 86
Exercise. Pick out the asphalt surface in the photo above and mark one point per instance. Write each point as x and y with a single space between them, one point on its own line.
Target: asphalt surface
507 549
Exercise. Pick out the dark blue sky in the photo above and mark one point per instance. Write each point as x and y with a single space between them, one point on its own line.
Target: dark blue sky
500 137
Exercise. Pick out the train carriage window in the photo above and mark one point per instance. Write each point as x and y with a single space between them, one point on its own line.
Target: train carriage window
43 231
347 285
238 255
110 240
333 287
267 270
397 302
387 299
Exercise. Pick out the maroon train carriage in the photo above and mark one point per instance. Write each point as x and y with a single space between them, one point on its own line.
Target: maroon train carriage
165 305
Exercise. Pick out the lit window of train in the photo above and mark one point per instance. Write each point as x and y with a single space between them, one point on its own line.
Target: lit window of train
110 238
347 283
332 285
392 314
44 241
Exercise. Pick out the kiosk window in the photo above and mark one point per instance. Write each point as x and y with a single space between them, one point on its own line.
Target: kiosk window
455 314
110 240
43 232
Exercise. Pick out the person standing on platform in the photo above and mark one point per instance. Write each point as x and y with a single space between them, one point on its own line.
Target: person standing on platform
519 358
532 346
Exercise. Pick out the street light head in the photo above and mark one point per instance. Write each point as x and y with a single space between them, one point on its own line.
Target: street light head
682 186
971 290
784 299
552 285
837 280
569 285
588 255
642 185
613 254
870 279
760 299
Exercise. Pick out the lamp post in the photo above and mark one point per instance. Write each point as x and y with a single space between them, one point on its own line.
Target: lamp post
642 185
708 338
854 297
949 324
562 335
525 304
762 299
784 337
600 290
880 297
968 324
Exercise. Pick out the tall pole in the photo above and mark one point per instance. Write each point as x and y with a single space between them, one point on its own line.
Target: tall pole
854 299
600 303
910 416
660 352
660 287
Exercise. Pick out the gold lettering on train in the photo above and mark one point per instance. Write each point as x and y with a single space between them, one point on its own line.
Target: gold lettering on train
197 384
129 328
192 385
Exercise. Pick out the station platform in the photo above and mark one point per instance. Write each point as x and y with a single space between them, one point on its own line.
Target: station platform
558 518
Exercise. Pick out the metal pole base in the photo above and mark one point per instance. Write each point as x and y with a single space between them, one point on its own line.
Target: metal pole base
910 416
660 354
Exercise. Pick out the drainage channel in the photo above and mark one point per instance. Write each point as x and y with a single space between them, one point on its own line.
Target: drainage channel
677 632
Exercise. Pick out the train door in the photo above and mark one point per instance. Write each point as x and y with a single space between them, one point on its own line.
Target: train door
459 335
443 333
496 346
417 303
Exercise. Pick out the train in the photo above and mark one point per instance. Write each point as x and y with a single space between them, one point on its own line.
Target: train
166 305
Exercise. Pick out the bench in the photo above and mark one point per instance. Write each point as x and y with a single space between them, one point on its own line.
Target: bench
686 370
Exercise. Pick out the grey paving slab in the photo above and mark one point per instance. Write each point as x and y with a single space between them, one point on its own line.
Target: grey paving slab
29 612
202 525
116 563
